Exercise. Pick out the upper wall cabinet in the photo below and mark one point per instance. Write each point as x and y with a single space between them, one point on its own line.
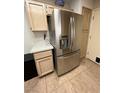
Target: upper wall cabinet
49 9
37 16
52 2
70 5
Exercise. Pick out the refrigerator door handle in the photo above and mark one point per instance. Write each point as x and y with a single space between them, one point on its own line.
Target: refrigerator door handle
74 26
71 32
69 37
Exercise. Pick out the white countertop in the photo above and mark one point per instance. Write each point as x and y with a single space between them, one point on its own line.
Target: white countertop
41 46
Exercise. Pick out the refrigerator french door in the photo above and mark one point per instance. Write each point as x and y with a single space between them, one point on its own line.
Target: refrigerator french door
63 38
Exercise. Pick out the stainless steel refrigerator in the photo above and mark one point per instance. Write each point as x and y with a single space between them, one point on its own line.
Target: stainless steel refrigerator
63 36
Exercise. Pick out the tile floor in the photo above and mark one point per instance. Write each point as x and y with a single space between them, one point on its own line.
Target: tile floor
83 79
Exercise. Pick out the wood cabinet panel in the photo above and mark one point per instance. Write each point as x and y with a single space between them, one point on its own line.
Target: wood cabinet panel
44 62
46 65
42 54
37 16
49 9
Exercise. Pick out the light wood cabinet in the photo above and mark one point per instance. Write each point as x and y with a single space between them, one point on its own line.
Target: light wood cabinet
53 4
37 16
46 65
42 54
44 62
49 9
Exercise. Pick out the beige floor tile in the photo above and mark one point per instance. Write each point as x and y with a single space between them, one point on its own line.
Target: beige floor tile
51 82
41 86
28 85
65 88
36 86
83 79
83 84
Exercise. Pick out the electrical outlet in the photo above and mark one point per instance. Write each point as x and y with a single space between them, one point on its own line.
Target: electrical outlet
97 59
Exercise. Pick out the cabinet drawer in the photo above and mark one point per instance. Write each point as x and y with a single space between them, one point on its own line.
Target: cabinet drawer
42 54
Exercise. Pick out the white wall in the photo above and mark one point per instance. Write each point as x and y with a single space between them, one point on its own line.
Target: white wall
93 49
30 38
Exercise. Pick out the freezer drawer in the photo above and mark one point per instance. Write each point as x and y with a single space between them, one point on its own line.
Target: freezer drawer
67 62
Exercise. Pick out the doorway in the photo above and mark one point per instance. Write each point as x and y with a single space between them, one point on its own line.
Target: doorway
86 12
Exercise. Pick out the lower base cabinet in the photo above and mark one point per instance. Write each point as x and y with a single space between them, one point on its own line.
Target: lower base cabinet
44 63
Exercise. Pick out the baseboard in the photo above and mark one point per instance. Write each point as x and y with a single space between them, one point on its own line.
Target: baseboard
81 58
93 61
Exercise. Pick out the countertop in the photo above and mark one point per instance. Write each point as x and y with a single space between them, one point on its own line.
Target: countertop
41 46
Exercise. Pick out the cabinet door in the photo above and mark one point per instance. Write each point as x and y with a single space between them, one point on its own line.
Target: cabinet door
49 9
37 17
46 65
